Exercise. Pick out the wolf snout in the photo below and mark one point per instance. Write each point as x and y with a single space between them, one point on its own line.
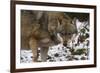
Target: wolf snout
65 44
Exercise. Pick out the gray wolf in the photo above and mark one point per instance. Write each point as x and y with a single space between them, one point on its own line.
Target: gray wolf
43 29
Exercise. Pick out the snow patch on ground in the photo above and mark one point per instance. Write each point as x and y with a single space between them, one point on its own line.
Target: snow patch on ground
26 56
55 54
58 53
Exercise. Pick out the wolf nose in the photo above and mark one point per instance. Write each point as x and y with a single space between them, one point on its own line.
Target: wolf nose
65 44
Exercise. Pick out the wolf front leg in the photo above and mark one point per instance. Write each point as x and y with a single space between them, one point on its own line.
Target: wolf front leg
34 46
44 52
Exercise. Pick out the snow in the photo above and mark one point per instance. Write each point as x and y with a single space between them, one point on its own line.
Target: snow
26 56
58 53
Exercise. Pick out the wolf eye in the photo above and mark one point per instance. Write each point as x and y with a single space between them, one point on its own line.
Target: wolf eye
62 33
69 33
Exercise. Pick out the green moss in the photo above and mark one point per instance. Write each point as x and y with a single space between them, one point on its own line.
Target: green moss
79 52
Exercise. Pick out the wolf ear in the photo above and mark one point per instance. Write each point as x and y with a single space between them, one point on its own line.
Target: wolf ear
74 22
67 16
58 25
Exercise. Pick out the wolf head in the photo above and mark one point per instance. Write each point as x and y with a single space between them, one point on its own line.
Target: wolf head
66 31
61 27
